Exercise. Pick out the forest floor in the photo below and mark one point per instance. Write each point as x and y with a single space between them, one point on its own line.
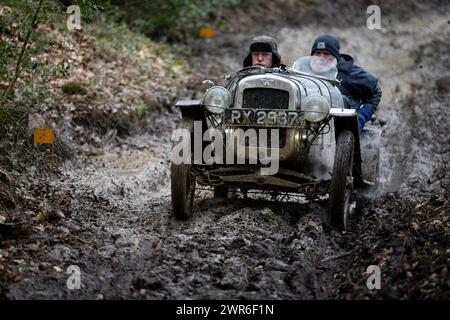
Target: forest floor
108 209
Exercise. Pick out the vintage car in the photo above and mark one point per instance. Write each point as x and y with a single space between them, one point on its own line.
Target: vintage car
284 129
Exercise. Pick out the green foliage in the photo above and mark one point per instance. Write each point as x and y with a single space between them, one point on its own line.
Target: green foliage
90 9
13 124
116 37
267 214
53 10
14 27
6 58
119 38
141 110
170 20
74 87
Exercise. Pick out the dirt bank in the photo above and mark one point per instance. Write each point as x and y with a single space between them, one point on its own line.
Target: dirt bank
111 207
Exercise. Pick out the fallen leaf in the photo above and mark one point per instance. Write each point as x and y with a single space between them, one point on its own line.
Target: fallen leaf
155 245
39 228
58 269
259 268
42 216
444 272
437 222
415 226
56 214
420 205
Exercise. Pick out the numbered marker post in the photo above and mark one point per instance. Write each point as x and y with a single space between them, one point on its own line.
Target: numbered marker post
44 136
206 32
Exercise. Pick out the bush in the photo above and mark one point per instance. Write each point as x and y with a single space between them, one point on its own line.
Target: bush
74 88
170 20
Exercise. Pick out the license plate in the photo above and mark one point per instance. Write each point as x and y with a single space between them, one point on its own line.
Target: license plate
264 118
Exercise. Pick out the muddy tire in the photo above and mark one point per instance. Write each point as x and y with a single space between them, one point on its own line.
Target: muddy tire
341 188
182 181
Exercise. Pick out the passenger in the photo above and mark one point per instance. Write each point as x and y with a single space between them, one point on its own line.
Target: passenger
360 87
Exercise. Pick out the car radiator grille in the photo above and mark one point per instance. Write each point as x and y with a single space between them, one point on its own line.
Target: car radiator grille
264 98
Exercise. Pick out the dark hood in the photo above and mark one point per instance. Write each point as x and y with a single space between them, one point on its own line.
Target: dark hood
263 43
357 85
345 63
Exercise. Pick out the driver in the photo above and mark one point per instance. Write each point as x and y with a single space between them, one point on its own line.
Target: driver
360 87
263 52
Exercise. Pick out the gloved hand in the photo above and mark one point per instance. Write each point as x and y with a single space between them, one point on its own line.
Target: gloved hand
365 112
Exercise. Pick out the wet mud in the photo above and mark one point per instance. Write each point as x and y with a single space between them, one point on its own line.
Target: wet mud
117 227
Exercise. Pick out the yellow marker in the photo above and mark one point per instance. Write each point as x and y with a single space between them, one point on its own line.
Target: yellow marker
206 32
45 135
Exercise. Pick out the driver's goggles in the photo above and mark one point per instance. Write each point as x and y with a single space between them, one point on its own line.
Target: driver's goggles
265 55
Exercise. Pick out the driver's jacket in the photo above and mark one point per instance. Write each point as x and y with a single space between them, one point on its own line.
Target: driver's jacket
359 86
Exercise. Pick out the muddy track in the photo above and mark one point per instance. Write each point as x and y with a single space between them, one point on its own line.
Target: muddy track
119 230
121 234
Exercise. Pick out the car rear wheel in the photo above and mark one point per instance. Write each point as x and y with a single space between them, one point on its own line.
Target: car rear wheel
182 180
342 181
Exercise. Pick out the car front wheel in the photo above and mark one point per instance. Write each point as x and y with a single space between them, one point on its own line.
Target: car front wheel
342 181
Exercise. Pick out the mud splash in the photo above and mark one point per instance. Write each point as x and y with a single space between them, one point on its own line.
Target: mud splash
390 54
120 232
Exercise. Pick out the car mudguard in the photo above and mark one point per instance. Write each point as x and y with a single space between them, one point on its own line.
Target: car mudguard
370 139
191 109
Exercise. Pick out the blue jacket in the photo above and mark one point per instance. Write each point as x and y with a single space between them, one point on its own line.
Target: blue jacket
359 86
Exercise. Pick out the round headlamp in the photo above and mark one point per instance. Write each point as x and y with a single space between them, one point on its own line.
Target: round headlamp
216 99
316 108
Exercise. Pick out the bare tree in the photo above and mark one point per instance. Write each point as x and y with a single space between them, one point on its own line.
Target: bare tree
18 68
